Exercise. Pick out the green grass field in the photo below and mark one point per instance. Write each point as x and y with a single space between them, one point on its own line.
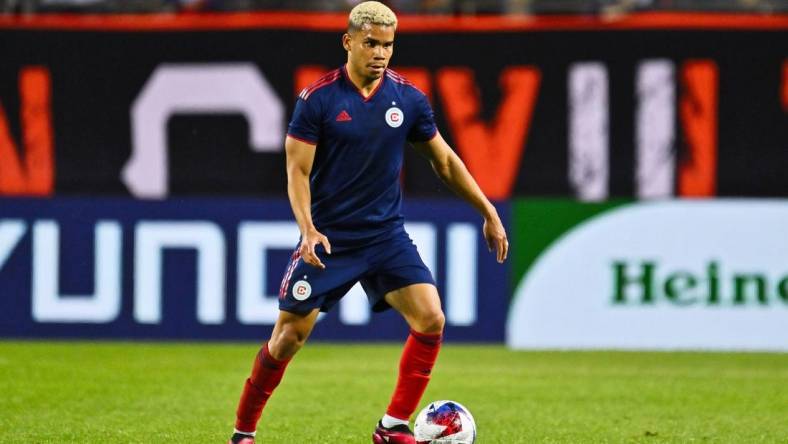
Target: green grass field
81 392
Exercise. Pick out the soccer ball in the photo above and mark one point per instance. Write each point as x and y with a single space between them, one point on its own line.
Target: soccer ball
445 422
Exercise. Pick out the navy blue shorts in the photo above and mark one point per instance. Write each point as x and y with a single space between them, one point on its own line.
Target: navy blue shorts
381 267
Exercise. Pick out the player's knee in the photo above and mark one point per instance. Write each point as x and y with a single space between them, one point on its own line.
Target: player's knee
293 337
431 322
288 342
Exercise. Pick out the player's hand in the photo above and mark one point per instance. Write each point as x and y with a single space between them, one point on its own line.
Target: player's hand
307 249
495 236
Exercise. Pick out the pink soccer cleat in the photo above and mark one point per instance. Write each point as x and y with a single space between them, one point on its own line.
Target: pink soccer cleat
241 439
400 434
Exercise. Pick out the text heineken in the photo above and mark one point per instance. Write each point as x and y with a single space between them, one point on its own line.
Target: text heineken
645 283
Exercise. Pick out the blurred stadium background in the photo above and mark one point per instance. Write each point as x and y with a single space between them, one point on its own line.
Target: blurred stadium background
635 148
465 7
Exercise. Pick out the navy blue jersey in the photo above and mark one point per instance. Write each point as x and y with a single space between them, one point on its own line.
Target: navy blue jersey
356 195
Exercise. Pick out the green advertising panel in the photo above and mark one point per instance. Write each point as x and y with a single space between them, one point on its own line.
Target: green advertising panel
537 223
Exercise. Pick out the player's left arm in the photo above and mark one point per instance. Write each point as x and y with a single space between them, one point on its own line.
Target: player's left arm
452 171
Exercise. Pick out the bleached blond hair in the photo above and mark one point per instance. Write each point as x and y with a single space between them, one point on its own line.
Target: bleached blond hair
373 13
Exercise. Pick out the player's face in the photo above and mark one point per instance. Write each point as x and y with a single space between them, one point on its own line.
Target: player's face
369 49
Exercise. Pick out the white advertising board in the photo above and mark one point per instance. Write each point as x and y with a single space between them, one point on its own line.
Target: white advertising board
664 275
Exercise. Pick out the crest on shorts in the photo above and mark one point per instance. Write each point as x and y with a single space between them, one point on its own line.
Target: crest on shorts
394 117
302 290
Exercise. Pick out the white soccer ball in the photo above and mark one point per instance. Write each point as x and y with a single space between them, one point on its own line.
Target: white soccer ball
445 422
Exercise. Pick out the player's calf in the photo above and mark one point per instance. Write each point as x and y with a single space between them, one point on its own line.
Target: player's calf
418 358
290 333
266 375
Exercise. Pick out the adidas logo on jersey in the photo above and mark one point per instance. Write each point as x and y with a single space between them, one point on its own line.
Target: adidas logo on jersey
344 117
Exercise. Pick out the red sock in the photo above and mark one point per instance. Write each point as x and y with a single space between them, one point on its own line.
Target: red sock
267 372
415 367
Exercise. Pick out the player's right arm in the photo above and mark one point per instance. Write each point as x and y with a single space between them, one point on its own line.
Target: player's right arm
300 157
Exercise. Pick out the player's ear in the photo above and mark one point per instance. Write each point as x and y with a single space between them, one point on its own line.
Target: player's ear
346 41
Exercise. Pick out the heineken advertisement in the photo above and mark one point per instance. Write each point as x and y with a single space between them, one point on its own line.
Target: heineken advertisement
664 275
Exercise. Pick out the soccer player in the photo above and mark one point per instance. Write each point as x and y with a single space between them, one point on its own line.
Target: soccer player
344 151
